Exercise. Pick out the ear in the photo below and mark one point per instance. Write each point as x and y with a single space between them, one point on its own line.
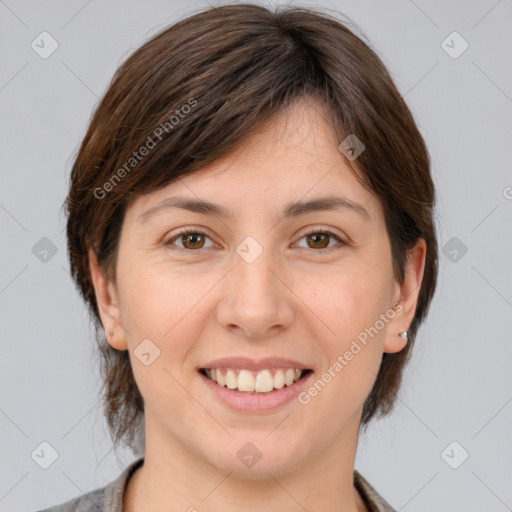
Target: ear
406 298
108 305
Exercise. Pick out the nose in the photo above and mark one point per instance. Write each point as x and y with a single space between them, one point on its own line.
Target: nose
256 301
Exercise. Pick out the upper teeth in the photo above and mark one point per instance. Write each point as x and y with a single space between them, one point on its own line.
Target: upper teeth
261 381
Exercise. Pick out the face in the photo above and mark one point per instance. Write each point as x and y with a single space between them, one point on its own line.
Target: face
312 286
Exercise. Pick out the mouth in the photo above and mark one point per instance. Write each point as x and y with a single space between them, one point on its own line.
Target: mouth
251 382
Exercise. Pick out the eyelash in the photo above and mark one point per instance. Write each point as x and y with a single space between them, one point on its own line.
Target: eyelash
199 232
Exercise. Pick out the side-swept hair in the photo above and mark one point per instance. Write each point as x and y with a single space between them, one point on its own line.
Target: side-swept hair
242 64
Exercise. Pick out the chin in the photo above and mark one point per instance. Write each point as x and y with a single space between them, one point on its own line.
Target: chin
253 457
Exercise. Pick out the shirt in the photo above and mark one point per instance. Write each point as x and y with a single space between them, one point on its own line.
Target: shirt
110 497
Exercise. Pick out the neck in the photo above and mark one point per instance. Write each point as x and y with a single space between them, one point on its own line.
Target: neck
174 478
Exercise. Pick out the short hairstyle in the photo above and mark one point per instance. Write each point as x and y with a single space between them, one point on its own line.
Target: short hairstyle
189 95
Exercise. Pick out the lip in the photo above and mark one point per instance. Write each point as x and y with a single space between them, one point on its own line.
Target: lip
251 364
256 403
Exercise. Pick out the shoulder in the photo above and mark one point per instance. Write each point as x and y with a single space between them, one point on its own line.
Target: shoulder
104 499
372 499
93 501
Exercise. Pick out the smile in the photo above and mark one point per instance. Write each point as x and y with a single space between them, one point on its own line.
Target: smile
263 381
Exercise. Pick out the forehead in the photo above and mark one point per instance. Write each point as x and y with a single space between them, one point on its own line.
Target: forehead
289 158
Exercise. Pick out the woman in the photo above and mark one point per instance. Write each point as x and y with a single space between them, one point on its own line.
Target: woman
250 221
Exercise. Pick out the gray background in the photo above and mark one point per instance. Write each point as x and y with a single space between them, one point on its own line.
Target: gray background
458 384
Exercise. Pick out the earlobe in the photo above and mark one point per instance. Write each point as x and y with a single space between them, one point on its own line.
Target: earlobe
408 293
108 305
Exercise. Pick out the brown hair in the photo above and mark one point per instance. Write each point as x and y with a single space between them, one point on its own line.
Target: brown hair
195 90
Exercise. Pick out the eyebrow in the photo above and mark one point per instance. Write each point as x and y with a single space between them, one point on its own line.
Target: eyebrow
294 209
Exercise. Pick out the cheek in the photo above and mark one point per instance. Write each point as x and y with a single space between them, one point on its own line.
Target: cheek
350 332
167 307
154 299
347 302
157 306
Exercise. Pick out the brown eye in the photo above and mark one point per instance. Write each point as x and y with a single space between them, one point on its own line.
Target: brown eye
196 240
319 241
191 240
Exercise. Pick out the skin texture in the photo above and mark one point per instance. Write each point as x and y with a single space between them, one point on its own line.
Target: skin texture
292 302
